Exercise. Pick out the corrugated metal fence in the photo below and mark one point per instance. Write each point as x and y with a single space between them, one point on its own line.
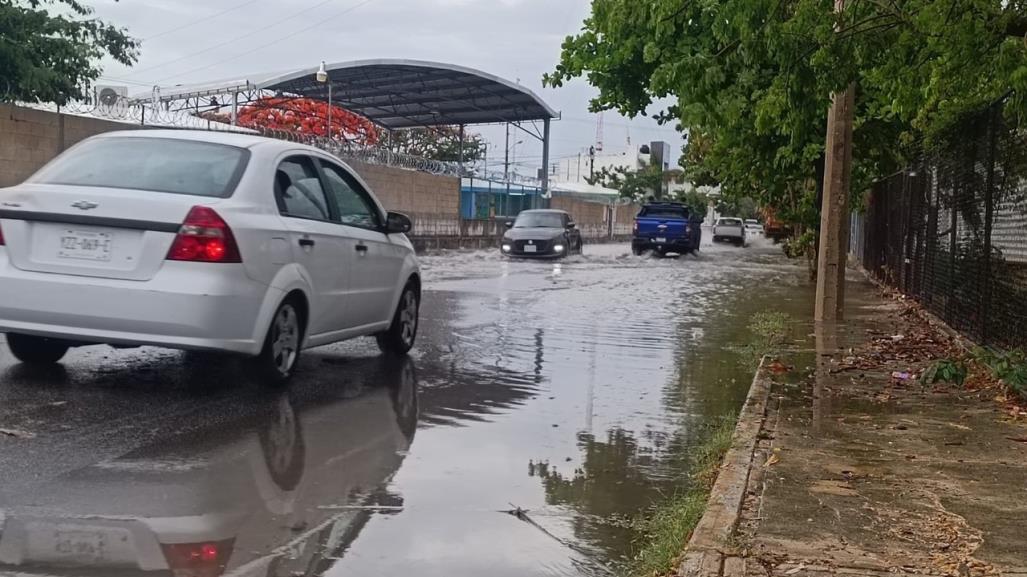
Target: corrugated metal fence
951 231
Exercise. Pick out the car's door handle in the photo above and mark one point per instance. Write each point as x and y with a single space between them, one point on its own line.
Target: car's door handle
361 248
306 242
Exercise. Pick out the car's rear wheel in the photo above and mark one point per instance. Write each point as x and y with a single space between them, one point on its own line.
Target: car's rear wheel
33 350
402 334
281 353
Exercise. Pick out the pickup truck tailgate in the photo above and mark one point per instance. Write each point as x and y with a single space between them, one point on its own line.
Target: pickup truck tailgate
653 227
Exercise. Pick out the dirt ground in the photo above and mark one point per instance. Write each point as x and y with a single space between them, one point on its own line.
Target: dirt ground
860 471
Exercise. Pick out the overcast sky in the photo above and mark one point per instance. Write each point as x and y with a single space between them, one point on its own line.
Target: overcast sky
192 41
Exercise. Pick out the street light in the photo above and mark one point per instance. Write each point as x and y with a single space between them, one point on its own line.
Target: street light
322 77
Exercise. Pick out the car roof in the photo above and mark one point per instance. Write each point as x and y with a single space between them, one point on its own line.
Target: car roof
544 211
212 136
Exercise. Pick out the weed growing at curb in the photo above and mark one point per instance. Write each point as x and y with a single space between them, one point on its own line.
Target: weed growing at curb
769 331
666 528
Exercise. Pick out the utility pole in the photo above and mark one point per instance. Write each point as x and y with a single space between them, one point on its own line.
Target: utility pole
834 211
591 162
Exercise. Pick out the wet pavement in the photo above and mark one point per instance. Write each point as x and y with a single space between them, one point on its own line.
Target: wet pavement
878 475
570 390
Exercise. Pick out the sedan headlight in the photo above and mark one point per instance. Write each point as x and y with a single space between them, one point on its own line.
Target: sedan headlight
558 248
506 248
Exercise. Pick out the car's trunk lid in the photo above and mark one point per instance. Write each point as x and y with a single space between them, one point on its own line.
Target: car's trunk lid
91 231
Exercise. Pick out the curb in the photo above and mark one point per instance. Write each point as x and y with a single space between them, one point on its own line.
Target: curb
706 550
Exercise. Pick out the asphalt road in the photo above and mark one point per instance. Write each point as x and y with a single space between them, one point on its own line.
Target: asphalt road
570 390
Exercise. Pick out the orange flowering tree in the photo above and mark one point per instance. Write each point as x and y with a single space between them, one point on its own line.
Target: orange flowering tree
307 116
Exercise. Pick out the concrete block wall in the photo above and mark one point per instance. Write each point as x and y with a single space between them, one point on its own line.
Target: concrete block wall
624 219
410 191
594 219
30 138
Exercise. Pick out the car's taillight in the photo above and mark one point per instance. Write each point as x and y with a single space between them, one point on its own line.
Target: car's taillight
1 235
205 237
198 559
634 229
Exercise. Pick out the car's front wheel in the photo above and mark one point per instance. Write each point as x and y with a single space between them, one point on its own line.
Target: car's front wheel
33 350
402 334
281 353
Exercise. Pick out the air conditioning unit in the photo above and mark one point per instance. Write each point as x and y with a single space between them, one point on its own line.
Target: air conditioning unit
110 96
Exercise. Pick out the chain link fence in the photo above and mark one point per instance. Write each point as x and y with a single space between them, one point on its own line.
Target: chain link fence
951 231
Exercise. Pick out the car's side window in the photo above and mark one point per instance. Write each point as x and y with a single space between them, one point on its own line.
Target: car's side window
355 208
298 190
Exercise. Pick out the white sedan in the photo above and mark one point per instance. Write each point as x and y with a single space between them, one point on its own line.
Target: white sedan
202 241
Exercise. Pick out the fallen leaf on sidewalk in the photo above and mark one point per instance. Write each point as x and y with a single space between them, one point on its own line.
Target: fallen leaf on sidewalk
1018 439
772 460
17 434
777 368
795 570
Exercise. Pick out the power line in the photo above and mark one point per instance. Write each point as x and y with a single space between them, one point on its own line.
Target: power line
231 41
201 20
278 40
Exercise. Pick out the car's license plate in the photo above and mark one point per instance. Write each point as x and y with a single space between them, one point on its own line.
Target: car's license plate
660 240
81 545
530 248
85 245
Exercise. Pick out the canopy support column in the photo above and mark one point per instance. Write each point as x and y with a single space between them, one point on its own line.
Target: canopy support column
545 158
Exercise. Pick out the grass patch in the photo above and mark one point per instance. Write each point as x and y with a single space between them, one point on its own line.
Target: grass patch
666 528
769 330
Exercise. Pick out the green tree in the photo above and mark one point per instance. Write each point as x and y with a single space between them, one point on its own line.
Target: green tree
437 143
697 202
636 185
743 207
50 49
751 79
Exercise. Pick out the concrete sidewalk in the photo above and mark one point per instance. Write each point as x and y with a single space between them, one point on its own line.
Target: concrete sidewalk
855 472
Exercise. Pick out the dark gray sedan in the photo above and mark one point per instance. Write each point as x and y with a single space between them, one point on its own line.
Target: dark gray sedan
542 234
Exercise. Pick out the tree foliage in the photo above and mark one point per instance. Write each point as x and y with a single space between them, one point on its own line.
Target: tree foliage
751 80
648 181
636 185
438 143
49 49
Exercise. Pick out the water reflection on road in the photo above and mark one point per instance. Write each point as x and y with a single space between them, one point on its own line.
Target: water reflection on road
571 390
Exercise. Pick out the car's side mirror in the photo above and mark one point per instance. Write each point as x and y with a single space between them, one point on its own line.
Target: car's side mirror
509 224
398 223
571 225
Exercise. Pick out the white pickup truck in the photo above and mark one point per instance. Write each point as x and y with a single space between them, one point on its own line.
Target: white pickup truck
729 230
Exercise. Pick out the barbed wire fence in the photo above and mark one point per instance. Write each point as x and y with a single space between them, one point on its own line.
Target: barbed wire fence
951 230
150 115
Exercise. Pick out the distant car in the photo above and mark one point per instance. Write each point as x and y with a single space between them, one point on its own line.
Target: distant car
666 227
542 234
202 240
729 230
753 227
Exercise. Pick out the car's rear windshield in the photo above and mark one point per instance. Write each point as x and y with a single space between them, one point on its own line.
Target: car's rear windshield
664 212
730 221
539 220
153 164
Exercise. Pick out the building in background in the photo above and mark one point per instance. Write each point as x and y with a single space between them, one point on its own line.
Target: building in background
578 170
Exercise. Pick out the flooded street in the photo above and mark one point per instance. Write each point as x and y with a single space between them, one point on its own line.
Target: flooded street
571 390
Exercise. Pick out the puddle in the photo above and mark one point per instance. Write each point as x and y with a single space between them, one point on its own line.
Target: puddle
571 391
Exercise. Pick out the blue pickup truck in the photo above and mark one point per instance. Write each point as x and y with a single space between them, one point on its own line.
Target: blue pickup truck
666 227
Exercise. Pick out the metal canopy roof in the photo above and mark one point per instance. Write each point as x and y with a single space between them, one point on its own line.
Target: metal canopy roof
411 93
